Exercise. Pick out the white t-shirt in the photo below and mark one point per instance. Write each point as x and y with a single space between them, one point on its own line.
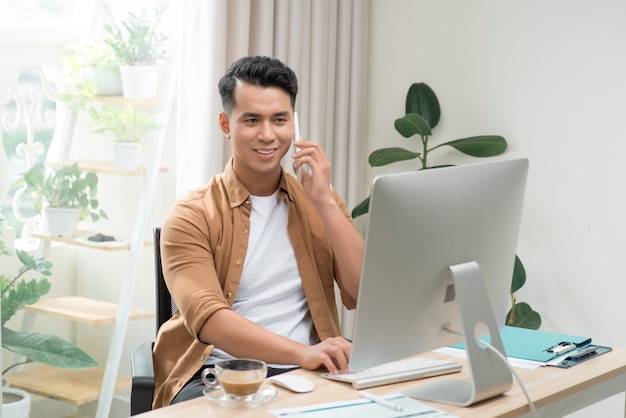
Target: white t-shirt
270 292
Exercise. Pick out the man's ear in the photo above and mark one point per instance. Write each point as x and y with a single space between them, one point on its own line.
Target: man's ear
224 124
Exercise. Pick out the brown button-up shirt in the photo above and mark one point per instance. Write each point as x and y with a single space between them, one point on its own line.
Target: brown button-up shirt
204 239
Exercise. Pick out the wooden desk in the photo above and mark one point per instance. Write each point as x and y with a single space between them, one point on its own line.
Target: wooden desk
555 392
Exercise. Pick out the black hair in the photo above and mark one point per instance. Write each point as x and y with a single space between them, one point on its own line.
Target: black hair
259 71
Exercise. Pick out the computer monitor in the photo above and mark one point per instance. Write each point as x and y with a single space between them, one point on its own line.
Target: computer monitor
439 252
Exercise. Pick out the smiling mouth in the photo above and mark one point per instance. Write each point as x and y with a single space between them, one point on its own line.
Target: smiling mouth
266 151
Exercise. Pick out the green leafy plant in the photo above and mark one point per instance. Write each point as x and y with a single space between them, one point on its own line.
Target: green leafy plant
64 187
70 87
17 291
95 53
422 116
123 124
521 314
137 38
423 113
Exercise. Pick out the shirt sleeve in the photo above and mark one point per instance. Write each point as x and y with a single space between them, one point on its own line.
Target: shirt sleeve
189 265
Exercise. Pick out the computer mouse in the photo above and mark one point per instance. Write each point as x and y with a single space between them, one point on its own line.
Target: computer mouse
292 382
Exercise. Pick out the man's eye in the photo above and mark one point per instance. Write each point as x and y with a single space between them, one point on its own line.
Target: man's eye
251 120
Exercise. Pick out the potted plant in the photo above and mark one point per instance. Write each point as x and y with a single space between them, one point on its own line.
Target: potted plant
126 127
138 43
69 87
72 94
18 291
97 62
66 195
422 116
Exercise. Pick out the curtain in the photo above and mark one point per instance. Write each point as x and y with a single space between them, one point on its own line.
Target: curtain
324 41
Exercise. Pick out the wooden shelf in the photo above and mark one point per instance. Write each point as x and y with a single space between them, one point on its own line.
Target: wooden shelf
80 239
84 310
73 386
103 167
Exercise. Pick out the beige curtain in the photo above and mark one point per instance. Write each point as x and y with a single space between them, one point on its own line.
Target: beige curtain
323 41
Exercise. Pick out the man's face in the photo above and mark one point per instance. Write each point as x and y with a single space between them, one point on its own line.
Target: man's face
260 128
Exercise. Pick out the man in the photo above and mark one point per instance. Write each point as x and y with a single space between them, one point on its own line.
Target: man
251 258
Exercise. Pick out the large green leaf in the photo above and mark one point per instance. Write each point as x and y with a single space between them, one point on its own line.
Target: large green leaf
412 124
385 156
523 317
361 209
21 293
39 264
519 275
47 349
421 99
479 146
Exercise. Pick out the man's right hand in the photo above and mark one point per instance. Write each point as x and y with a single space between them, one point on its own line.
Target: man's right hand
332 353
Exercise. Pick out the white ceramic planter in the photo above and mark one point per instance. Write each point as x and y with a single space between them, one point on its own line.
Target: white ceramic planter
62 222
15 403
127 155
139 81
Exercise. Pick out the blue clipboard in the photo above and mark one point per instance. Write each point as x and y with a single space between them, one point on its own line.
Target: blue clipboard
530 344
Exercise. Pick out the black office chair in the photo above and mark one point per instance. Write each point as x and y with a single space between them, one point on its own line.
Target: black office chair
142 367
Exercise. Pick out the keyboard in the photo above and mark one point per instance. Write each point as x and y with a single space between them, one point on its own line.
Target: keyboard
396 372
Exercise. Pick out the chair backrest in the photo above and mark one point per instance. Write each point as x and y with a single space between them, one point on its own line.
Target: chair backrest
165 305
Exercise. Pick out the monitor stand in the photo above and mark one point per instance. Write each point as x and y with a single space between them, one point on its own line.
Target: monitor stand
489 375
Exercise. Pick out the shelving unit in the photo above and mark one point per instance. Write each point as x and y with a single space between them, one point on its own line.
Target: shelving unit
82 386
75 387
103 167
84 310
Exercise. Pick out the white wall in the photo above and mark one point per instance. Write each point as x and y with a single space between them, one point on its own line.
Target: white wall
550 76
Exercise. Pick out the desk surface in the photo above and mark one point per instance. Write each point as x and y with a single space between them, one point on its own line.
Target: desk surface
545 385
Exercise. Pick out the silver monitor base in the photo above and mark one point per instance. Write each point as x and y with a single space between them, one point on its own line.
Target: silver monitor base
489 375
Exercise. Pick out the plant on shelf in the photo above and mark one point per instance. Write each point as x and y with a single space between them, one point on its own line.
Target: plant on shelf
64 188
126 127
422 114
18 291
139 43
95 53
69 86
137 39
123 124
97 62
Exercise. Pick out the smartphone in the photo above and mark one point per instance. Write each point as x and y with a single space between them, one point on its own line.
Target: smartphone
296 139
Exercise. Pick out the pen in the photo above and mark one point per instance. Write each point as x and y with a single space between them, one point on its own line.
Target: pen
380 401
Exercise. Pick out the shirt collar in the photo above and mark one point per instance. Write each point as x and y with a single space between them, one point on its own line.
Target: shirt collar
239 194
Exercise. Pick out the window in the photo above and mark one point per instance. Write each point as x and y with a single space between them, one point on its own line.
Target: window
32 33
35 11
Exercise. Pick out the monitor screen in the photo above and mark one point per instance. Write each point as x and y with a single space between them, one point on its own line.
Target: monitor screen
421 226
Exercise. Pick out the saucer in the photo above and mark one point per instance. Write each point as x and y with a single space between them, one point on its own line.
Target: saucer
265 394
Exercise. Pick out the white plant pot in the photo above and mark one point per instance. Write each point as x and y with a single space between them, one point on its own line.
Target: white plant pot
62 222
139 81
15 403
127 155
108 80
